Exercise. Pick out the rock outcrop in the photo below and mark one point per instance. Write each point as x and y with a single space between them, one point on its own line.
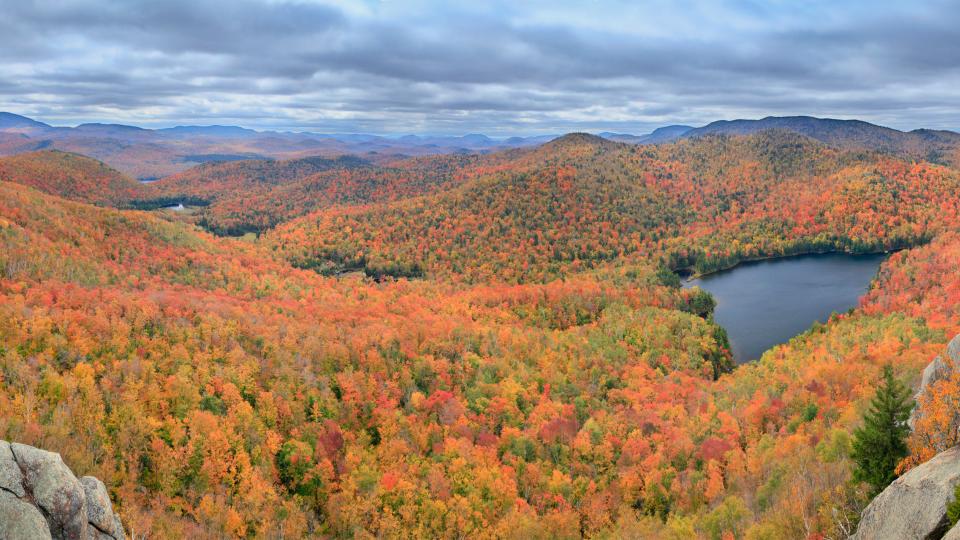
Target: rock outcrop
41 498
935 371
941 368
914 506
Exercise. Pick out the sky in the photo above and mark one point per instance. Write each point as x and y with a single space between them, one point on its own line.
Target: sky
500 67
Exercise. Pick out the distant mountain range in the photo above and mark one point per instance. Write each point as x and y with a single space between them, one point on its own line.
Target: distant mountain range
209 131
659 135
10 121
823 129
939 146
153 153
148 154
850 134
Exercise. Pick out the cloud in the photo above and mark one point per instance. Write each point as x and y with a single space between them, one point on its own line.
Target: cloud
500 67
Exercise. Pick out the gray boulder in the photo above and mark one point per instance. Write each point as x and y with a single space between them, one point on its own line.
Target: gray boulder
953 350
953 534
99 510
914 506
11 477
941 368
55 490
41 498
20 520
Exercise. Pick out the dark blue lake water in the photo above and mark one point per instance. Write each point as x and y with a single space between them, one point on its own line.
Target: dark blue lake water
764 303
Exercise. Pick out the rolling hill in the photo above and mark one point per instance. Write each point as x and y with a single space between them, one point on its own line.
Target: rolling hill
930 145
256 195
702 203
215 181
70 176
937 146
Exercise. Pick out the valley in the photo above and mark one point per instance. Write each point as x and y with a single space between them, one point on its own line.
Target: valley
484 345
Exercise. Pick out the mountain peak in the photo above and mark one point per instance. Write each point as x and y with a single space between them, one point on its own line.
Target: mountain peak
666 134
109 127
846 134
803 124
659 135
578 138
478 138
10 120
213 131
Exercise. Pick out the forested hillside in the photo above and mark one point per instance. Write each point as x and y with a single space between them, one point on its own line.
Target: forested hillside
256 195
71 176
579 201
520 360
248 374
925 144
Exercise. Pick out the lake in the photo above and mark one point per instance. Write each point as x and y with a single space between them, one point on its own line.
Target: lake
764 303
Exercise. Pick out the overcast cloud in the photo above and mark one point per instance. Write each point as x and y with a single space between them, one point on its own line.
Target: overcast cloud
498 67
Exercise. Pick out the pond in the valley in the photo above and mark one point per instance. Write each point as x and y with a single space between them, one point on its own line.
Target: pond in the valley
764 303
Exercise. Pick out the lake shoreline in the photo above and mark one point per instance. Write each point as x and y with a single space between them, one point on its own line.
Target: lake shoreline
692 276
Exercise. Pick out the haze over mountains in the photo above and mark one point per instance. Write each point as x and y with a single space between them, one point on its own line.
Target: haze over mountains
148 154
153 153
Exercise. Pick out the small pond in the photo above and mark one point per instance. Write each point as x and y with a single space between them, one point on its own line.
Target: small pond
764 303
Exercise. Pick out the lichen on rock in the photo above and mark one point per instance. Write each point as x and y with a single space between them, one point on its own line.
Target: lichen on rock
41 498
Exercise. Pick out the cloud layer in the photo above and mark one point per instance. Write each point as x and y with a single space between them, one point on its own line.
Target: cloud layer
500 67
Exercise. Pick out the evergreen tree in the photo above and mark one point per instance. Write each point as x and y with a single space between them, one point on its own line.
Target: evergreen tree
881 443
953 509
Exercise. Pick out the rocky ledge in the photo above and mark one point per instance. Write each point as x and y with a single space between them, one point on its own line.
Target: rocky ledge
914 506
41 498
941 368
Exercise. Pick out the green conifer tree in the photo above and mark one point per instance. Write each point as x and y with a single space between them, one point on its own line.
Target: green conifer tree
881 443
953 509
